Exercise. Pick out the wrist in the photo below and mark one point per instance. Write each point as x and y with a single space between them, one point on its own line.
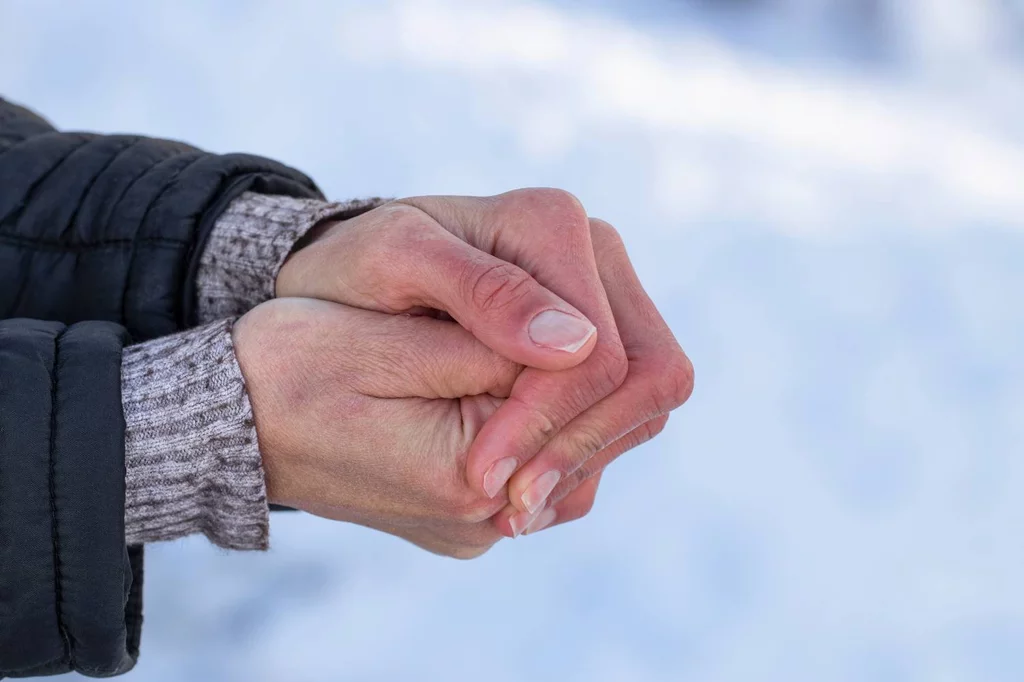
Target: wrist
250 243
317 232
289 280
260 360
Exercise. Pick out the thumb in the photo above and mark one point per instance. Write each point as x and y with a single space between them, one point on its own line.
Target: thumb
403 260
504 307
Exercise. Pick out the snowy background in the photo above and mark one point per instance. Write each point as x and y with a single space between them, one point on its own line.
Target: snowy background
825 197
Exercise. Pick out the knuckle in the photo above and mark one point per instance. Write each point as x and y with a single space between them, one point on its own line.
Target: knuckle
586 472
543 425
559 199
540 427
676 384
563 207
610 250
673 385
609 246
496 287
608 371
584 443
604 234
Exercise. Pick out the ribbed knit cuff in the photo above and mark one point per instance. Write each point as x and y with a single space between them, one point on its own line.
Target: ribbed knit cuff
191 453
249 244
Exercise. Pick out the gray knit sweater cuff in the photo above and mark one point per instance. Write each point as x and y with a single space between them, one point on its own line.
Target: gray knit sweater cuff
192 458
251 241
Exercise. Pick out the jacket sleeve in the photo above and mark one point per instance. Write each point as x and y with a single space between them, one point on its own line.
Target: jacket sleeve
70 590
100 239
111 227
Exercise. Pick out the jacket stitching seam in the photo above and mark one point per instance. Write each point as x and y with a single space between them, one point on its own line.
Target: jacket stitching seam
55 535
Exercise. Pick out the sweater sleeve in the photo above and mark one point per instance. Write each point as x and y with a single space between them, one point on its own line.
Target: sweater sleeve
192 457
251 241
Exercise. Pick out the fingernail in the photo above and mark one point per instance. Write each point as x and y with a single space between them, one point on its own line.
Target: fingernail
499 473
537 493
543 520
561 331
520 521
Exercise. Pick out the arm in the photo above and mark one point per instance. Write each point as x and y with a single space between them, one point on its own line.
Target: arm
100 228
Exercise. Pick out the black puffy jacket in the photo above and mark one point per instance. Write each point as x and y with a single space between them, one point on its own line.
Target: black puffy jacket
100 237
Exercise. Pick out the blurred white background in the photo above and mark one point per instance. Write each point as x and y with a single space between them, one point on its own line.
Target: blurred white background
826 198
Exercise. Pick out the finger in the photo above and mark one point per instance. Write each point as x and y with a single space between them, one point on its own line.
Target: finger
405 261
404 356
599 462
659 379
565 500
474 412
548 234
573 508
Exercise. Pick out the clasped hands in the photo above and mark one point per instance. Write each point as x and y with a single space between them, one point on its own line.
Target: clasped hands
452 370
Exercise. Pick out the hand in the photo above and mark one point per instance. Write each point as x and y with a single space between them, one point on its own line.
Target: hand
368 418
397 259
659 379
483 261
